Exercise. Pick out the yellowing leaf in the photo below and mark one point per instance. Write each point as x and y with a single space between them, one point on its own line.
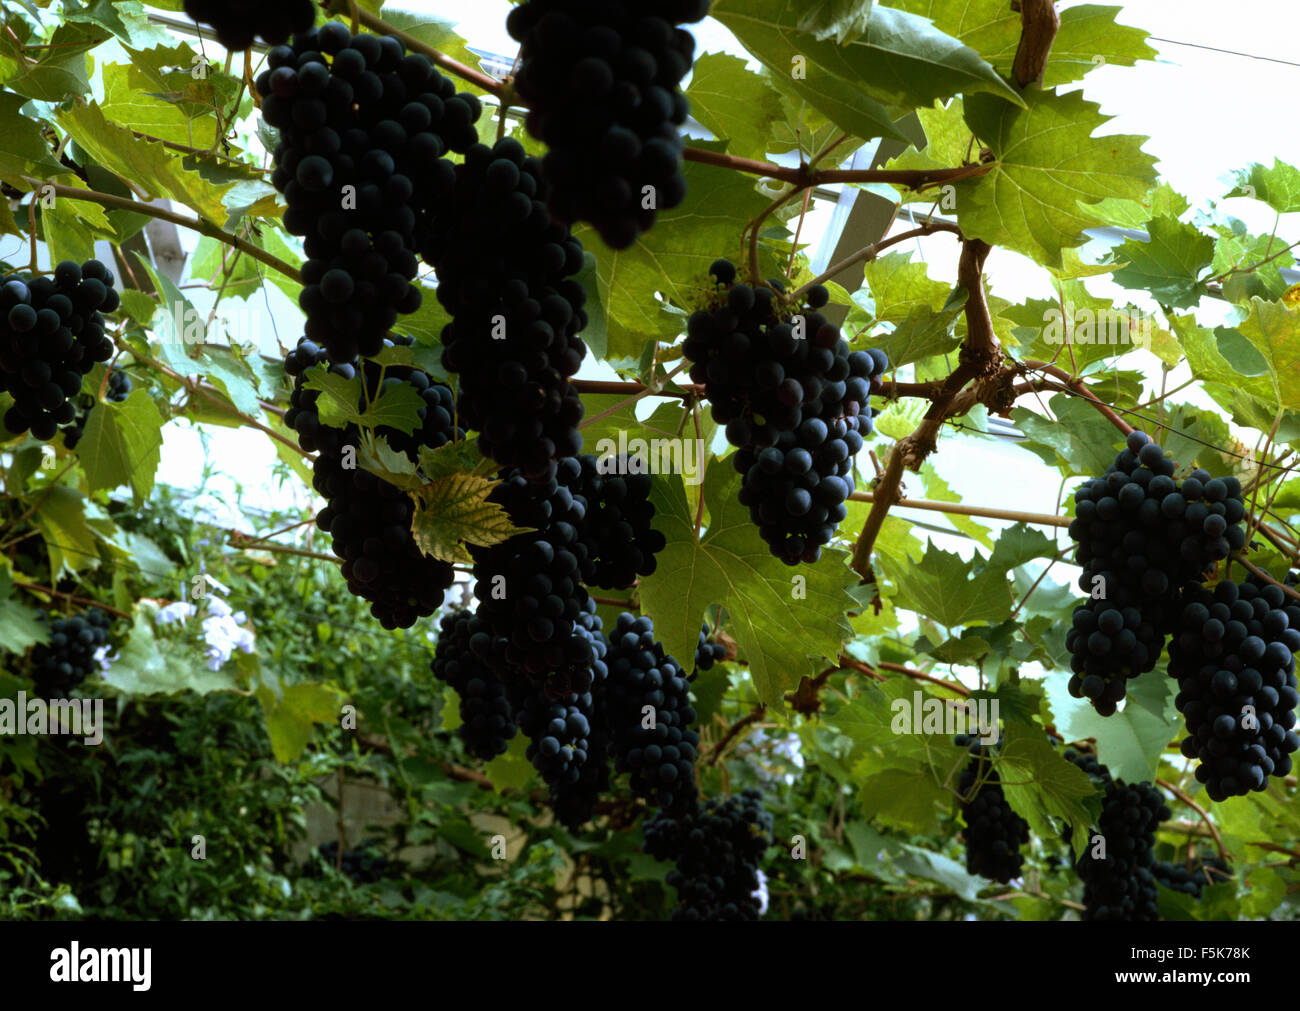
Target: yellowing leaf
454 511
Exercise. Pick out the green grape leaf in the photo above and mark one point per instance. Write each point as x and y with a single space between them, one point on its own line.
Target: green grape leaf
734 103
731 566
1088 38
1019 544
24 152
338 399
1130 741
19 626
61 516
1273 329
148 164
1279 186
122 444
1047 167
396 407
943 588
291 719
1040 785
1168 264
766 30
147 665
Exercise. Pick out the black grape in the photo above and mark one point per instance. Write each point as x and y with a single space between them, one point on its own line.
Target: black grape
709 651
994 832
660 761
468 658
1234 657
505 274
364 864
718 847
118 389
68 658
794 400
1121 886
238 22
1190 880
620 540
529 587
364 130
369 519
52 332
1142 537
603 84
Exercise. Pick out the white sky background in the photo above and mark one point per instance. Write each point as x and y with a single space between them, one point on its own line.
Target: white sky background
1207 113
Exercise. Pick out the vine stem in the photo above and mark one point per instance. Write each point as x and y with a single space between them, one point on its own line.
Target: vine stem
1205 817
960 509
32 509
71 597
237 540
1256 570
1076 386
210 394
875 249
753 716
802 176
194 224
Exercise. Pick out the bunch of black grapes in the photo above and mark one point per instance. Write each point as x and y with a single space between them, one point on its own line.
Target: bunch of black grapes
364 864
364 130
369 519
795 401
118 389
1117 869
602 80
52 334
238 22
709 651
657 748
1191 880
994 832
529 587
1142 538
1234 657
718 847
620 539
68 658
472 661
506 275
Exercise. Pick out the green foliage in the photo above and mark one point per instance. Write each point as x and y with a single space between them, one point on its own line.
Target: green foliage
221 767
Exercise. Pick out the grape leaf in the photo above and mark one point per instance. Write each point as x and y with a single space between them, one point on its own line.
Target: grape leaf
1130 741
454 511
1168 264
19 626
291 719
1279 186
147 665
24 151
122 444
898 58
942 588
1047 166
780 617
734 103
